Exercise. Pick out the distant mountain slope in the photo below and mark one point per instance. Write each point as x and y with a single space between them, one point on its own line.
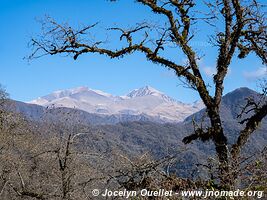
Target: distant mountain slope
231 104
145 101
61 114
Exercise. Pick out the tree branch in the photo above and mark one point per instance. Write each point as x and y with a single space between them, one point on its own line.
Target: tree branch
251 125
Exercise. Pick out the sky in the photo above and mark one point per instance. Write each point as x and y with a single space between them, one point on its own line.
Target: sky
25 81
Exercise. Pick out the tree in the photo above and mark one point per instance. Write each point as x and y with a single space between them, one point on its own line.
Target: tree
240 27
43 161
3 98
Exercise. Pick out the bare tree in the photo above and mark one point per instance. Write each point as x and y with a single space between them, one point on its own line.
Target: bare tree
3 100
243 30
39 163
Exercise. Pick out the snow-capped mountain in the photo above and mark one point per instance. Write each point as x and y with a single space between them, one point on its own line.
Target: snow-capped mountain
146 100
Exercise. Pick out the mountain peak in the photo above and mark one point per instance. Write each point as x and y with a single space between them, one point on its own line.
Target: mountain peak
242 90
67 93
82 89
239 94
77 89
64 93
70 91
144 91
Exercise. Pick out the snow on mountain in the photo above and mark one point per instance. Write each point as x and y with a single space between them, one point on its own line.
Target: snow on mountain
146 100
147 90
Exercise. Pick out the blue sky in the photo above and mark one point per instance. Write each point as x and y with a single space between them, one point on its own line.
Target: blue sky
26 81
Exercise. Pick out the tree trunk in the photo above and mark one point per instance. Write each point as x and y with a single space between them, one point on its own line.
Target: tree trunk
220 142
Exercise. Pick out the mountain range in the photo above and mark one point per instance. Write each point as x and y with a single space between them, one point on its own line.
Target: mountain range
146 101
135 135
